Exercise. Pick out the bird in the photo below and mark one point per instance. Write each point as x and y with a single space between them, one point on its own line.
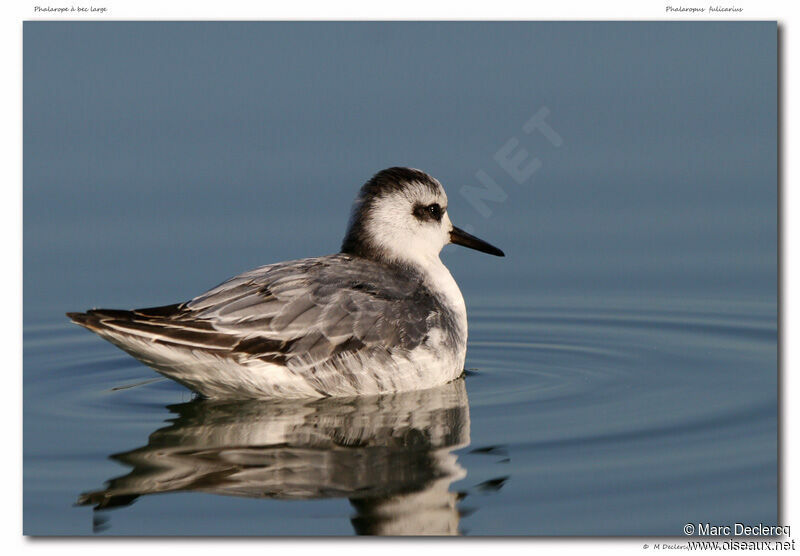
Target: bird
383 315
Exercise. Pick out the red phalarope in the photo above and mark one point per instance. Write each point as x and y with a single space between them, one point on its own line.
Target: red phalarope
383 315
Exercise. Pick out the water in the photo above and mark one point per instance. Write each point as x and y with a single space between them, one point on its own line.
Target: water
601 420
622 361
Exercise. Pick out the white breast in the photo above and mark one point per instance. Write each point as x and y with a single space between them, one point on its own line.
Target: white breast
441 282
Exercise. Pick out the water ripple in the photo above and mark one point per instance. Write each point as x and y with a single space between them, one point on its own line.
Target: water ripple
676 397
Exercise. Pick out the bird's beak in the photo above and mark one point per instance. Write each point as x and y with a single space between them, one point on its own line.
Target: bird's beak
460 237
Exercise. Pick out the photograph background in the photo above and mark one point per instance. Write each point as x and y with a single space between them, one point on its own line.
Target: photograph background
162 158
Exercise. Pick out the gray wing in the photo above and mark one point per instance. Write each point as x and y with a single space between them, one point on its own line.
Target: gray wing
303 313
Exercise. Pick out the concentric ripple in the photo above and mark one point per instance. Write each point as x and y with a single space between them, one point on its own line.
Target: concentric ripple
584 416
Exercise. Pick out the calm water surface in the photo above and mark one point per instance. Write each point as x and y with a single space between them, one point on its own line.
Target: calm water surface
577 416
622 359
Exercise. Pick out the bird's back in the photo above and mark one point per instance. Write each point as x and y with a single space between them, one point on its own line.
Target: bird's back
335 325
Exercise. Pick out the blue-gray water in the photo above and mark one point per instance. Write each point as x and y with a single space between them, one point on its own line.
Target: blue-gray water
623 356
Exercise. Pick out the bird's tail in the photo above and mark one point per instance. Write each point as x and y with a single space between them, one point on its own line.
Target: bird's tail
94 319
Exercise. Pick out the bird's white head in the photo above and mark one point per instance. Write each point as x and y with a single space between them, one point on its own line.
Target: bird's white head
400 215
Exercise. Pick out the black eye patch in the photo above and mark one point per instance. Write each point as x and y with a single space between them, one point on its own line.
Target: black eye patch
428 212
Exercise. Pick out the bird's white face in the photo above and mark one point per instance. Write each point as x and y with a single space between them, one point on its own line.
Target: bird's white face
401 216
410 225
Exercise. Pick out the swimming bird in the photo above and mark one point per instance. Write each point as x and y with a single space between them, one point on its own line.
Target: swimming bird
383 315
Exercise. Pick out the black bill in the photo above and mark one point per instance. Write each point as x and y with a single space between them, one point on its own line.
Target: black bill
460 237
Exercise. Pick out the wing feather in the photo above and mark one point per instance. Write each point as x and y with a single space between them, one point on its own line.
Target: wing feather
306 315
310 311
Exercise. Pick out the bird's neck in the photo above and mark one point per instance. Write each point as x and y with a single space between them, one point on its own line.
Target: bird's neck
439 280
427 265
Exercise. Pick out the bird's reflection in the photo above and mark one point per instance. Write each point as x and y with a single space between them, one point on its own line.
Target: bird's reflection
391 456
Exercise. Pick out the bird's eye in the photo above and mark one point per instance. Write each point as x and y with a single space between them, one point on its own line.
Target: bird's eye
429 212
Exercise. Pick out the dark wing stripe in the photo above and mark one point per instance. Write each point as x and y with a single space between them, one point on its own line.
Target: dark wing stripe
351 345
159 333
259 344
164 311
